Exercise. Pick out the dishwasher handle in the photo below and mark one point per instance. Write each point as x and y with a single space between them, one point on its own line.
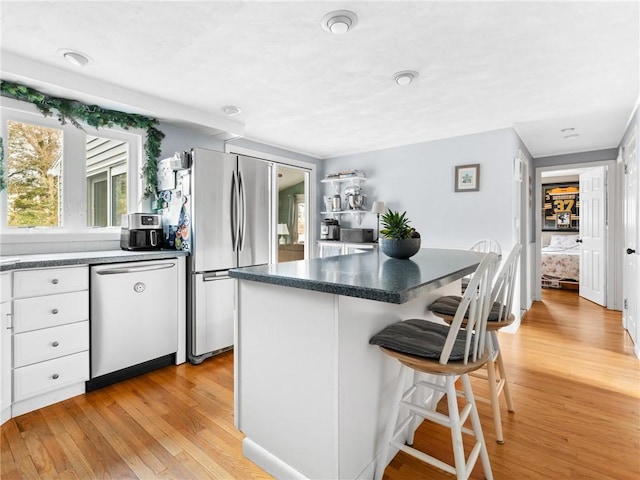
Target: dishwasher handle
145 268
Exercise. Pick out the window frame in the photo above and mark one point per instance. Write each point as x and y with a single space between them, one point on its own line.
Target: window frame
74 176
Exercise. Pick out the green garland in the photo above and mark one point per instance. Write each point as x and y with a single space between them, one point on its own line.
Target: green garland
74 112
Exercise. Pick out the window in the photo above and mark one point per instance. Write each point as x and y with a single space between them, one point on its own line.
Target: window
106 181
62 176
34 170
300 218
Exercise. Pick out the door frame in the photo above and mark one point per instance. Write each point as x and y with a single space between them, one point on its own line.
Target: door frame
614 232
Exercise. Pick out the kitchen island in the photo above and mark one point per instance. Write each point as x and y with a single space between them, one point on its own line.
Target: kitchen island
311 393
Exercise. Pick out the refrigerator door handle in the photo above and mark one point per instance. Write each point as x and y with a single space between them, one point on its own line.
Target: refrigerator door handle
210 277
243 211
234 212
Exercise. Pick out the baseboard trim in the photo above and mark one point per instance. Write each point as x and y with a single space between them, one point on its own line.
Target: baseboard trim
269 462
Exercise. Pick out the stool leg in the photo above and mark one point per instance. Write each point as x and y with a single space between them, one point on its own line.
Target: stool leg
503 372
493 396
415 423
391 423
477 428
456 429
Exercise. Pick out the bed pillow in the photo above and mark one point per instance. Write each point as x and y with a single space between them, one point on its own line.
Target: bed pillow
569 240
563 241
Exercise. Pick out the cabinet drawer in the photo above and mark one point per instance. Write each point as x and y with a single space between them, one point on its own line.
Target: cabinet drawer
49 281
50 311
47 376
5 286
48 343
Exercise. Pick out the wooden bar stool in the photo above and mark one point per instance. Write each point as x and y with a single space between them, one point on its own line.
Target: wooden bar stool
445 352
500 316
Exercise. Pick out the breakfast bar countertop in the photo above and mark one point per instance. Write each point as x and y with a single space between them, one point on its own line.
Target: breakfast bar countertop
369 275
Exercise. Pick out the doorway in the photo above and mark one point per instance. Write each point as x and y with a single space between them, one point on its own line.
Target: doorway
558 233
292 213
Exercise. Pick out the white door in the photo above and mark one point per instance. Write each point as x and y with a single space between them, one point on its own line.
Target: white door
593 235
630 264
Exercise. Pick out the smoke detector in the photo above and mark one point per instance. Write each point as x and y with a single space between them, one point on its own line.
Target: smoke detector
339 22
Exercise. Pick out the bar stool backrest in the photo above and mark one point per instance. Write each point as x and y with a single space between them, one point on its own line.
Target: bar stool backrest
504 285
477 301
487 245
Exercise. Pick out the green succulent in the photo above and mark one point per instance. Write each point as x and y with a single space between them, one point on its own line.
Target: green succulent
396 226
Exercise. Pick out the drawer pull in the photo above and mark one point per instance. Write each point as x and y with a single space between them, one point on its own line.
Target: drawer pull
54 311
55 376
54 281
55 344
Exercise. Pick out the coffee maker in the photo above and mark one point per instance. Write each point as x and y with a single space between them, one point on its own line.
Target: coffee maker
141 231
330 229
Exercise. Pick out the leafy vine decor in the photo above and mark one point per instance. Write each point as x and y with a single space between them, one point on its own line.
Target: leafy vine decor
74 112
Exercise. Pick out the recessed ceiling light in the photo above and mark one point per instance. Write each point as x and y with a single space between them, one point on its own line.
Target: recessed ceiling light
405 77
75 58
231 110
339 21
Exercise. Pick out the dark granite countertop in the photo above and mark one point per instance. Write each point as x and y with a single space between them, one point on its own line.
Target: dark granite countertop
44 260
370 275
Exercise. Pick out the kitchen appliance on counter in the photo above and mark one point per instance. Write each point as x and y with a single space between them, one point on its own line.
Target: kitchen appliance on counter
141 231
330 229
220 209
134 319
356 235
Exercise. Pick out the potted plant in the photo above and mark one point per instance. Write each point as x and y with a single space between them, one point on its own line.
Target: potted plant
398 239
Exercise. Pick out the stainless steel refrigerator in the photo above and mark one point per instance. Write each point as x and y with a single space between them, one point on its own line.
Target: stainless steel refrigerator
228 198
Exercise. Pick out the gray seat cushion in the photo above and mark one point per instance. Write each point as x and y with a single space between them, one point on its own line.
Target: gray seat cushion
449 305
419 337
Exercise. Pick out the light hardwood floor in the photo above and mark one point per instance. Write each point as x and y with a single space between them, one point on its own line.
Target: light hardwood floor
574 379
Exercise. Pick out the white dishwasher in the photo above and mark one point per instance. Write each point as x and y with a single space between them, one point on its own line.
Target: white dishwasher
134 317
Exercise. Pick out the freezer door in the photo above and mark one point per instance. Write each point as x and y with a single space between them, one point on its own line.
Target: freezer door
212 312
214 218
254 178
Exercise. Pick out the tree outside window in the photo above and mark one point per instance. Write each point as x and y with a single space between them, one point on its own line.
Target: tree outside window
34 168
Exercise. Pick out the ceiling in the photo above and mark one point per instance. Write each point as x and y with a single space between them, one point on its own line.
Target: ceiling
538 67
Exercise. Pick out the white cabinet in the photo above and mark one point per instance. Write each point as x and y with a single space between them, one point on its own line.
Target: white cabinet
5 346
50 336
330 248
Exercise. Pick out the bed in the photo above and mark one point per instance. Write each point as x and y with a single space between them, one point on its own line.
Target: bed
561 261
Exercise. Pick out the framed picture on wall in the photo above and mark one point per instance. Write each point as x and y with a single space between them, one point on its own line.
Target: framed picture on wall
561 207
467 178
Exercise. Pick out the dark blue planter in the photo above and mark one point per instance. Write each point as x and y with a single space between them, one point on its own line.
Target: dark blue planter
400 248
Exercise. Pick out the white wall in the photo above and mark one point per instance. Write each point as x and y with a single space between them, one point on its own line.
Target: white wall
419 178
